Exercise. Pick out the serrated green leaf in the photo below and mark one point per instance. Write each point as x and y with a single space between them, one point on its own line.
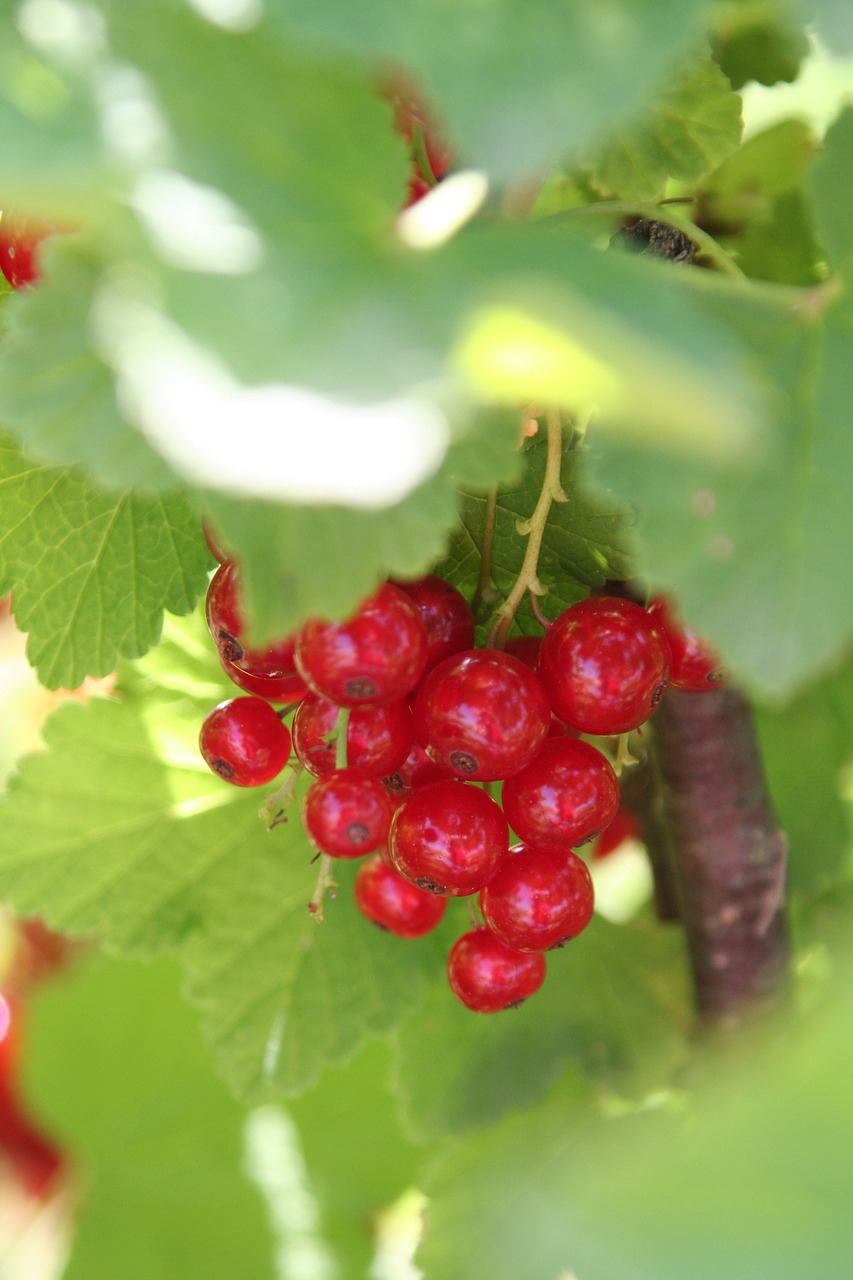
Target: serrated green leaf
695 124
119 829
520 84
751 1177
755 553
122 1078
806 785
613 1006
92 572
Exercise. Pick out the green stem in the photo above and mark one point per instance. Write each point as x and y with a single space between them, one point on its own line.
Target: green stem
326 883
274 809
534 530
341 725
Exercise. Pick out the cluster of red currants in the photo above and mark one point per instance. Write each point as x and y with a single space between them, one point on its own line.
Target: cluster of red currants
399 718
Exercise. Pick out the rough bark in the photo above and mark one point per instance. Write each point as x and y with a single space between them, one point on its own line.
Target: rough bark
727 852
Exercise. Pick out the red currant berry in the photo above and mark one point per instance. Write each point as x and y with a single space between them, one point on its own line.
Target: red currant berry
538 899
244 742
377 655
605 665
416 771
526 649
566 795
378 738
696 668
487 975
227 624
623 827
275 688
481 713
19 243
384 897
448 837
447 617
347 813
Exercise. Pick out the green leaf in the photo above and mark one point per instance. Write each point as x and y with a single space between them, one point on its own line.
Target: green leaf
750 1177
120 1074
807 785
833 190
119 829
695 124
520 84
92 572
752 46
587 539
755 553
614 1007
832 19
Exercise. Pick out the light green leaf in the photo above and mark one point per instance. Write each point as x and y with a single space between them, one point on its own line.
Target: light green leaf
758 43
92 571
692 127
613 1006
119 829
121 1077
832 188
520 84
751 1177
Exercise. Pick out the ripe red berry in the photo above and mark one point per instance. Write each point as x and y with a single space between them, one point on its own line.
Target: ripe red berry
227 623
347 813
538 899
19 242
378 738
481 713
695 668
526 649
376 655
605 665
487 975
447 617
244 742
566 795
448 837
385 898
416 771
286 687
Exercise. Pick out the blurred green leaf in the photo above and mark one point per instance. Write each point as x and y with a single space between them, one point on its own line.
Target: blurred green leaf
754 44
693 126
118 828
832 187
614 1007
119 1073
92 572
751 1176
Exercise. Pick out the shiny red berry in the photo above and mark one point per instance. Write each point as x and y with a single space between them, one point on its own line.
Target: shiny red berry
285 687
481 713
623 827
448 837
416 771
696 667
376 655
378 738
538 899
227 623
447 617
566 795
347 813
385 898
605 665
245 742
487 975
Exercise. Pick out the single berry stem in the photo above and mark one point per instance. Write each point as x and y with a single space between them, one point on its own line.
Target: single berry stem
326 883
624 759
534 530
274 809
728 852
341 726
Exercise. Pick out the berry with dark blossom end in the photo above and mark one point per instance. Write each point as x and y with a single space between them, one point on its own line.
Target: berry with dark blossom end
488 976
376 655
482 713
378 738
566 795
389 901
447 617
244 742
347 813
696 668
227 623
605 665
538 899
416 771
286 687
448 837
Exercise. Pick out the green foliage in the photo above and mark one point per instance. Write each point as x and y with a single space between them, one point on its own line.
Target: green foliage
92 571
119 1074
